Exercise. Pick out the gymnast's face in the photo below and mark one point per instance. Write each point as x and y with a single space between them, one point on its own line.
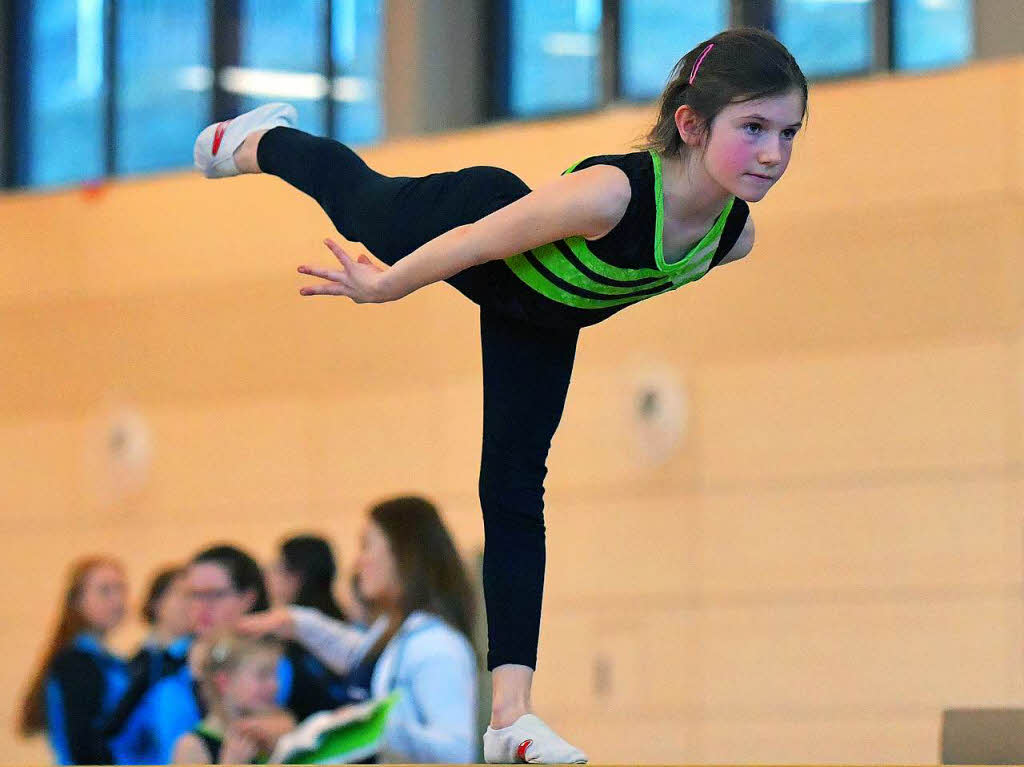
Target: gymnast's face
751 143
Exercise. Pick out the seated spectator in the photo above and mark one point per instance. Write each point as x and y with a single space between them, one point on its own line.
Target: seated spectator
164 652
79 680
224 583
412 579
237 678
166 612
303 575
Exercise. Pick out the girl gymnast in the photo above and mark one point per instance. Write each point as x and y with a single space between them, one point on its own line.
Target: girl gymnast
541 264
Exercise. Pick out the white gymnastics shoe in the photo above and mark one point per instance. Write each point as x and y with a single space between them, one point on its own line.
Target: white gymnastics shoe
214 152
529 740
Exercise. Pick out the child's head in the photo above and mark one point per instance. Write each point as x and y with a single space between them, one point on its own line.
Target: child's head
711 92
238 675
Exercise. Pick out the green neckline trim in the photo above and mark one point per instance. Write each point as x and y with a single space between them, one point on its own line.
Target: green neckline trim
659 214
697 251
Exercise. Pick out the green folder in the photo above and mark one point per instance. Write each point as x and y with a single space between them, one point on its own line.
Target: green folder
349 734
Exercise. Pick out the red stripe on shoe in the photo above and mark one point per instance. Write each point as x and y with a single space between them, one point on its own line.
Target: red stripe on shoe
218 136
521 751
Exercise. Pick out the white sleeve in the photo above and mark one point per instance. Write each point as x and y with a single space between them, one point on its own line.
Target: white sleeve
339 645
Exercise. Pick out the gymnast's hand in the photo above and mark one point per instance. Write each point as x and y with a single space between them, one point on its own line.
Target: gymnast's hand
361 280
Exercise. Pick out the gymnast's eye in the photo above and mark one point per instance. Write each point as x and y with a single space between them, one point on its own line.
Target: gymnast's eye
789 133
752 129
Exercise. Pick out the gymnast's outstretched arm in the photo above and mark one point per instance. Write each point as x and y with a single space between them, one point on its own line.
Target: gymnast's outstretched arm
588 203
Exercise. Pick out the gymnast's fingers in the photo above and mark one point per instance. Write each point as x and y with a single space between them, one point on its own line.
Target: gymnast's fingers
331 289
336 249
326 274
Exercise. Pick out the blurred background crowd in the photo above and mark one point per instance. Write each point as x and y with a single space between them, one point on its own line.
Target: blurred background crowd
206 686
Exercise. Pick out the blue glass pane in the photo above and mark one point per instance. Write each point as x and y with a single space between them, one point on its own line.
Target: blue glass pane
931 33
553 51
827 37
281 58
356 46
656 33
163 82
64 136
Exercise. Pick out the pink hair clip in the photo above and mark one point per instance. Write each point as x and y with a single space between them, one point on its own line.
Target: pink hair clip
700 59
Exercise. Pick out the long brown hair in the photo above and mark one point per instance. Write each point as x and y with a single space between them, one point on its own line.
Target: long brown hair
431 575
69 625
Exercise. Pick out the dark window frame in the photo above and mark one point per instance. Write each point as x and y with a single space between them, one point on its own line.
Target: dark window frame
6 100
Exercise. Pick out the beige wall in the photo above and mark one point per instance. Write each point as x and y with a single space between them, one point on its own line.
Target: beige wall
831 556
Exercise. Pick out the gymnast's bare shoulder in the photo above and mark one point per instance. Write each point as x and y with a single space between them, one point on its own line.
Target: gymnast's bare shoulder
743 245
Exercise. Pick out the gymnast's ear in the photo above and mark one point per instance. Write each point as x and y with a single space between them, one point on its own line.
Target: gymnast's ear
690 125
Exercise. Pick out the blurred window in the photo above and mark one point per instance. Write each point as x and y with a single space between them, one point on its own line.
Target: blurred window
554 54
163 82
62 140
281 58
931 33
655 34
355 48
827 37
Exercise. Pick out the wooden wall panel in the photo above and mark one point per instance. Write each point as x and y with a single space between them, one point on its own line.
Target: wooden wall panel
909 537
890 166
623 657
360 452
254 453
859 413
1014 78
622 546
41 472
605 442
903 738
1015 396
796 657
245 341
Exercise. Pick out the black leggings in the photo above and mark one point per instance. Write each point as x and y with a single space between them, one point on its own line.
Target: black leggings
526 368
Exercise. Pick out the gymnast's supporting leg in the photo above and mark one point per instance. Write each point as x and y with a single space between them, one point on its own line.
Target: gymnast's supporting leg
526 378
